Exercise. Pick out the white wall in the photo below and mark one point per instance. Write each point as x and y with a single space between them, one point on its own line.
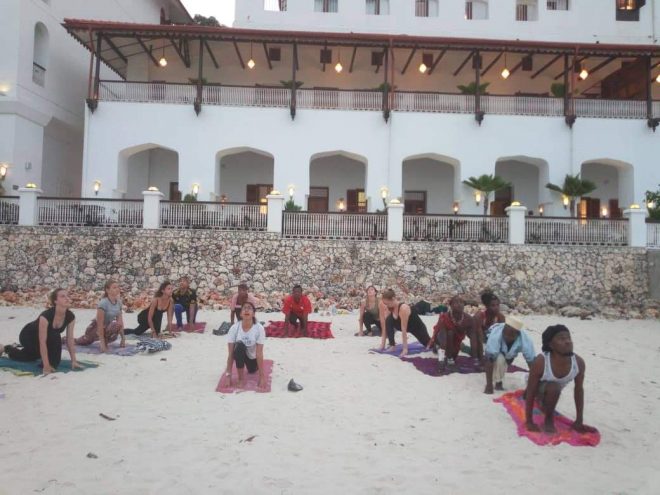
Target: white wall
153 167
434 177
339 174
587 21
526 180
239 170
385 146
62 161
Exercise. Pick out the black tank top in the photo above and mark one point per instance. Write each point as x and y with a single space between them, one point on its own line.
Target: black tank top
414 321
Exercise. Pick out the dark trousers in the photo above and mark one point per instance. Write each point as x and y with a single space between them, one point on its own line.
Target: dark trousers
29 339
237 313
421 334
242 360
294 319
143 322
368 320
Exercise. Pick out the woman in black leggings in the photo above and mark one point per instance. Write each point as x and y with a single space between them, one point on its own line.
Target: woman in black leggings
403 318
152 317
42 338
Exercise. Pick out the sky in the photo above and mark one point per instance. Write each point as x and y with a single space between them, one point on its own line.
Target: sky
223 10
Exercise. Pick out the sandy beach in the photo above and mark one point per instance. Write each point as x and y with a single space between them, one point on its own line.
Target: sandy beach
364 423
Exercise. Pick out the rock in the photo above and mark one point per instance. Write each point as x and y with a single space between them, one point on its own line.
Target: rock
574 312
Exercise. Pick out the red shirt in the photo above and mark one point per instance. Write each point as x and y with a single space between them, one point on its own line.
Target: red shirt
301 308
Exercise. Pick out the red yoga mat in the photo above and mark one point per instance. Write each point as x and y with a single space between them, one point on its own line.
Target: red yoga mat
315 330
251 381
198 327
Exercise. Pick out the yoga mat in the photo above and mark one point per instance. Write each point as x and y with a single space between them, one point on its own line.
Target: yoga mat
113 348
251 380
464 365
197 327
223 329
315 330
514 403
413 348
32 368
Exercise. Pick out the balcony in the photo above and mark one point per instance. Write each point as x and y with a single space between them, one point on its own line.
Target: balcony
369 100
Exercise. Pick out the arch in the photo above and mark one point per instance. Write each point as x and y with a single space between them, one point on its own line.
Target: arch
145 165
528 177
614 181
431 183
335 176
244 174
40 54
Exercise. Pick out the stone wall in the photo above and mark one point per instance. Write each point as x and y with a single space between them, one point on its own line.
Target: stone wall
610 281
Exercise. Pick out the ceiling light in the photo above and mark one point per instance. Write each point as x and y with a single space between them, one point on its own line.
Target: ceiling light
423 68
505 73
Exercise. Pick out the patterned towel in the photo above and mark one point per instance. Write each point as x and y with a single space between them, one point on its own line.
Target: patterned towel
251 380
113 348
315 330
150 346
514 403
413 348
197 327
464 364
34 368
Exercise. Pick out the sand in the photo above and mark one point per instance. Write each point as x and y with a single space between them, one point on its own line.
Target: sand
364 423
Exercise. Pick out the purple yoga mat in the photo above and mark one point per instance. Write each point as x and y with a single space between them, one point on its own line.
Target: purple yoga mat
113 348
414 348
464 365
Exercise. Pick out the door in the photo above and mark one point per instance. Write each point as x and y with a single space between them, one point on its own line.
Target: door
175 194
255 193
317 202
503 199
356 201
414 202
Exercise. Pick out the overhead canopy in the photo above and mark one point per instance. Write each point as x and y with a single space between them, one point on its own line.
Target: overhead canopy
120 40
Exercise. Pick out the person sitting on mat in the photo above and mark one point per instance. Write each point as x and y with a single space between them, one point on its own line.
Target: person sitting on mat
452 327
550 372
297 308
42 338
486 318
109 323
372 312
185 300
152 317
403 318
237 301
245 345
505 341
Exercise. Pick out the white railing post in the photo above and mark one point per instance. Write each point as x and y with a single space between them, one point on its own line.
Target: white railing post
275 208
28 209
151 215
636 226
516 223
395 221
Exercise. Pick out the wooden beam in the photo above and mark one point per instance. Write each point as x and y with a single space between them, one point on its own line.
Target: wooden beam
490 65
295 56
97 74
384 55
270 64
571 68
410 57
350 70
546 66
325 48
437 61
115 49
515 68
238 54
213 59
147 51
601 65
460 67
180 53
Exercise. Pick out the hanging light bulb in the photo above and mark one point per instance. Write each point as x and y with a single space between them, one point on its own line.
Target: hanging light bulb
584 73
657 79
163 61
339 67
505 72
251 63
423 68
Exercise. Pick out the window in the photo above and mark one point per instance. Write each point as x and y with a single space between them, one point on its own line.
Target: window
275 5
327 6
40 55
628 10
476 10
378 7
526 10
426 8
557 5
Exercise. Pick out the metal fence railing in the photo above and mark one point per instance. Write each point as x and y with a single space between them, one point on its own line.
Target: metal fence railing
358 226
456 228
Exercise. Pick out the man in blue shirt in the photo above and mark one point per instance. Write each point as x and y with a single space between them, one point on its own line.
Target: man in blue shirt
505 341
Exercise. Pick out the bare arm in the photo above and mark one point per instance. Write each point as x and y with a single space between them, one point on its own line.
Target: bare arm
260 363
43 348
170 315
71 345
382 314
150 315
120 322
363 306
579 393
404 315
100 328
230 359
535 374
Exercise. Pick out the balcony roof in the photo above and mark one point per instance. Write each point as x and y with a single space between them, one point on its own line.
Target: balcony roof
84 31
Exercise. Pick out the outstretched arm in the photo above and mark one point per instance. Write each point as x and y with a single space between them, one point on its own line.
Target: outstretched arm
260 364
230 361
578 425
43 347
404 315
535 374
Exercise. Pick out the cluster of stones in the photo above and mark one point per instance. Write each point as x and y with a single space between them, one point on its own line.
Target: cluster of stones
573 281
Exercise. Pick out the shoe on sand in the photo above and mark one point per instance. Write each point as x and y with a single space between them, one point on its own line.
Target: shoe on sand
293 386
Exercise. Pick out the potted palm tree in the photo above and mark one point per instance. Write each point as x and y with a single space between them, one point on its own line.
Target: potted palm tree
486 184
574 187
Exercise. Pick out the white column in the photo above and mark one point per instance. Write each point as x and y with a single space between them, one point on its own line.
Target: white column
395 221
151 213
636 226
275 208
517 216
28 210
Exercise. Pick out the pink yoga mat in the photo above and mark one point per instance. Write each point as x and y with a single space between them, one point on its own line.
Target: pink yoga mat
198 327
514 403
250 383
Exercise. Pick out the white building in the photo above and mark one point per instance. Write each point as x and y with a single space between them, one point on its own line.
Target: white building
379 106
43 85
